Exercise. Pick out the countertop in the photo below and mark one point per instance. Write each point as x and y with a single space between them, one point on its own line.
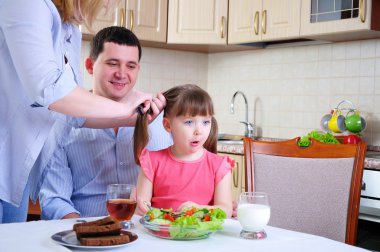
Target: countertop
371 162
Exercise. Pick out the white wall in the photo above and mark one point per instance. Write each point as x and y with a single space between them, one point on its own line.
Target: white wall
288 89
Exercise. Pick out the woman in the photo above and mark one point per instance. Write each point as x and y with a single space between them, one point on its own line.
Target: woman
39 76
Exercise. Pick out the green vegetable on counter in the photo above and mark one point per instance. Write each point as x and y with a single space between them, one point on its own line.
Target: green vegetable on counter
321 137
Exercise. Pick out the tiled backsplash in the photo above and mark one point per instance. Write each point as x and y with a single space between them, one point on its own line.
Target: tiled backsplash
161 69
288 89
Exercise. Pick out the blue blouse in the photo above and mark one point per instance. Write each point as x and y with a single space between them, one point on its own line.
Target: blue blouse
33 75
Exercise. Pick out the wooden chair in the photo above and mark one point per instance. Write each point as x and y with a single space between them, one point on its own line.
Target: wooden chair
313 189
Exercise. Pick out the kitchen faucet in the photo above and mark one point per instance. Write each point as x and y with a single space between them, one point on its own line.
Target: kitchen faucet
249 128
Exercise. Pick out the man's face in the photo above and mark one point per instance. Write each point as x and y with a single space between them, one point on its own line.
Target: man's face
115 70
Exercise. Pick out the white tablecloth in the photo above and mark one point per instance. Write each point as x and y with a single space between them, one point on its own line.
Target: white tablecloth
36 236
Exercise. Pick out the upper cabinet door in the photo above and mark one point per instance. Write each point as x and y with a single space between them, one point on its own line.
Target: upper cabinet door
334 16
105 18
197 21
280 19
263 20
147 19
243 21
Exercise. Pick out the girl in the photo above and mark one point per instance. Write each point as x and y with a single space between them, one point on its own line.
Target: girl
188 173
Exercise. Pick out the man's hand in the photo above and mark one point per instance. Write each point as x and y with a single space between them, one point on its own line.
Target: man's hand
157 104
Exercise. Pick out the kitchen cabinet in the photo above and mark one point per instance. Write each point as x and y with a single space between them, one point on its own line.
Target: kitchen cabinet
105 18
197 21
340 20
146 18
238 175
263 20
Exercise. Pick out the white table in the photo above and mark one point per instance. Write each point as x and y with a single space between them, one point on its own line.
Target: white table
35 236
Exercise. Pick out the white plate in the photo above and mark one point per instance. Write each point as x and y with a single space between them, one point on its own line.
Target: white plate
68 238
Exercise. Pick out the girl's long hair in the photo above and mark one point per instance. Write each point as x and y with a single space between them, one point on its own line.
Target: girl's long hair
184 100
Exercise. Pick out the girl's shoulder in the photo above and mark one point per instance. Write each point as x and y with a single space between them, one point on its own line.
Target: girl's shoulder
220 160
157 154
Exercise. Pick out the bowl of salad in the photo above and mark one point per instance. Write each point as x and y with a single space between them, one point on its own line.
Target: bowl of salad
190 224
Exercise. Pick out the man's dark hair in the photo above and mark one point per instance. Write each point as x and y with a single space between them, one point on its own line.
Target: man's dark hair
115 34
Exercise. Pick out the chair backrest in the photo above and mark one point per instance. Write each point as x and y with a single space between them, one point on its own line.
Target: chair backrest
313 189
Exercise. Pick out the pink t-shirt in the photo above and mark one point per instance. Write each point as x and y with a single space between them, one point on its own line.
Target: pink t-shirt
176 181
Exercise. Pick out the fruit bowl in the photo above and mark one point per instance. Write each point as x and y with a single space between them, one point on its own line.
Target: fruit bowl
172 232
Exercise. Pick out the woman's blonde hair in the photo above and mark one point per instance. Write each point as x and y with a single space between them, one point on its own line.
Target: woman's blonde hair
81 11
184 100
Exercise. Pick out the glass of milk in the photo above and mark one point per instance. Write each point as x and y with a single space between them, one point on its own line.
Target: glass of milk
253 213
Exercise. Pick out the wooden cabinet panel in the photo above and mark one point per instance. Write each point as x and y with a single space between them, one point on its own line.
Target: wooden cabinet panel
147 19
361 15
243 25
197 21
104 19
282 19
258 20
238 175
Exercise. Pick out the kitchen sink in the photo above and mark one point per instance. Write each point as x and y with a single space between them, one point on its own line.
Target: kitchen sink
224 138
230 142
373 154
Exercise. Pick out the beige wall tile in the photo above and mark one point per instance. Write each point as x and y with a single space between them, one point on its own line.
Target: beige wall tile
288 89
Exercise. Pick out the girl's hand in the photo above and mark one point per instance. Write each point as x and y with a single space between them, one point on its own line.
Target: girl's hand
187 205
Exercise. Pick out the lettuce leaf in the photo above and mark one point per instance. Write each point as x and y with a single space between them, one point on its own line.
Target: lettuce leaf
327 138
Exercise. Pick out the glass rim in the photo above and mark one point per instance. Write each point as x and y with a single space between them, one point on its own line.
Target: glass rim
256 194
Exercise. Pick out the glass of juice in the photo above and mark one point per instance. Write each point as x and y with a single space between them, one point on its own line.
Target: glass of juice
121 203
253 213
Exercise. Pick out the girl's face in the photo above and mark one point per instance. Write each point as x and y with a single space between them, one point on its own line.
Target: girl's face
189 134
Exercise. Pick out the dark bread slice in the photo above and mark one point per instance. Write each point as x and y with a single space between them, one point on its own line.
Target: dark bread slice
104 221
105 240
96 231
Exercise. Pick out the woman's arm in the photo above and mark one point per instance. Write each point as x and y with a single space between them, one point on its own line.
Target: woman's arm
101 112
144 193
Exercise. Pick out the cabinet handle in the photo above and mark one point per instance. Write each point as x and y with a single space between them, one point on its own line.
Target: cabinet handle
235 175
264 22
256 23
222 27
122 17
362 10
131 19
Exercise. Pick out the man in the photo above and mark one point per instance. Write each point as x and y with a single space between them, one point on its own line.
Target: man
87 160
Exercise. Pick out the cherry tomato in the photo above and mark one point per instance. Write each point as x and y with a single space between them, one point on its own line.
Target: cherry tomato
351 139
168 217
